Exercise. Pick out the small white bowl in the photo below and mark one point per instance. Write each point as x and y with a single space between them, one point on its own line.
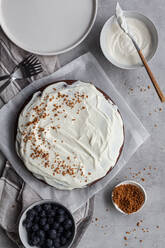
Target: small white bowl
136 15
23 233
132 183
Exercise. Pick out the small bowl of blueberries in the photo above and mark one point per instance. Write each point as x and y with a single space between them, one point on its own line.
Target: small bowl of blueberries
47 224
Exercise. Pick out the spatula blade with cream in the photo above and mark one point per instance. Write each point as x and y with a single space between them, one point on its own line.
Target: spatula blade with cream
121 18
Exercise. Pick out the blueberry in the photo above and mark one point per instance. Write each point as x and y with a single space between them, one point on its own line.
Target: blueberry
35 240
57 240
60 218
41 243
30 238
31 212
57 245
61 211
38 208
30 242
67 224
58 234
36 219
24 222
42 213
30 218
30 215
52 234
63 240
41 234
55 225
51 213
54 207
66 216
47 206
60 229
35 227
46 227
43 221
50 220
27 224
68 234
49 243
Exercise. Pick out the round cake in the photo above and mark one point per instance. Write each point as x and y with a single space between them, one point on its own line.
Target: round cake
69 135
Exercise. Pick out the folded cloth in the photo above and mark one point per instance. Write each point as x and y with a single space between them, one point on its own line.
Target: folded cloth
15 194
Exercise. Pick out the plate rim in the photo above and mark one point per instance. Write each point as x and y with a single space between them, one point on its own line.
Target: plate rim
16 42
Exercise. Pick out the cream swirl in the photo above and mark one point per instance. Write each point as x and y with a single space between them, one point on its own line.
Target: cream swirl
69 135
120 46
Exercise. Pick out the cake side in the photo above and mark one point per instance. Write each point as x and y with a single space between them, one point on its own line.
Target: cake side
69 135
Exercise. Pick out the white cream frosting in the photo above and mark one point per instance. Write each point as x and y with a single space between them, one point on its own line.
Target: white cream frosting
69 135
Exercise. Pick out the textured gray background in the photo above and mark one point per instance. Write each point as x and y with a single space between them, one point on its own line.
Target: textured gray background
109 230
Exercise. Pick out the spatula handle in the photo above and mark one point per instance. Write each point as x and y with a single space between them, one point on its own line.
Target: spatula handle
158 90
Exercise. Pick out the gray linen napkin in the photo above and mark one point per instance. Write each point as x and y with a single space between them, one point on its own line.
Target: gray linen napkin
15 194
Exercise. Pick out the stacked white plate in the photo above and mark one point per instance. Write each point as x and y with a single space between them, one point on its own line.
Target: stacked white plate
47 27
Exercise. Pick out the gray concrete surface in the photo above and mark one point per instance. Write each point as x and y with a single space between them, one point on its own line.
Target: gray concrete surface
109 227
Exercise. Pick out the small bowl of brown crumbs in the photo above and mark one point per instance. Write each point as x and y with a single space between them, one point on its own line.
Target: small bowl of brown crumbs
128 197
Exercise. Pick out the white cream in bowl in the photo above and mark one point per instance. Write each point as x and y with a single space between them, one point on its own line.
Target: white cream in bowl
121 47
118 47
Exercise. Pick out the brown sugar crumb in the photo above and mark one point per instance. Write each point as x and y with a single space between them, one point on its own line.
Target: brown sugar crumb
142 179
140 241
96 219
129 198
127 232
157 226
149 87
160 109
138 223
125 238
89 173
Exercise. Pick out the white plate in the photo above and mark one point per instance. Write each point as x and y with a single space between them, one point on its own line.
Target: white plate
47 27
